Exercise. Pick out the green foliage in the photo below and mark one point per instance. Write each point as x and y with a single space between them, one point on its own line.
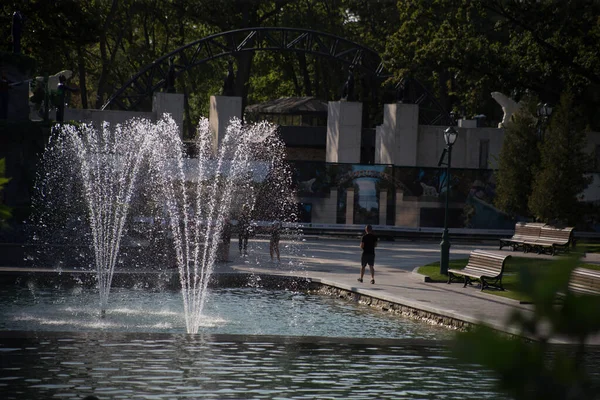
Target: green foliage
517 162
465 49
560 179
4 210
537 370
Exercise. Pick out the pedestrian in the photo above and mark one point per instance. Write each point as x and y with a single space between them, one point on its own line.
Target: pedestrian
223 253
274 242
368 242
244 230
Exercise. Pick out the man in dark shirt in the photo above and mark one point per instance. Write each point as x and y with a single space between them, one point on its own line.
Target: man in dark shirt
368 244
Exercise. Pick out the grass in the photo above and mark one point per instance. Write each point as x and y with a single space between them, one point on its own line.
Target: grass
510 278
588 247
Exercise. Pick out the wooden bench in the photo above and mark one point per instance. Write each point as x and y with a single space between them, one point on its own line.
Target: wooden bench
585 281
524 232
483 266
551 239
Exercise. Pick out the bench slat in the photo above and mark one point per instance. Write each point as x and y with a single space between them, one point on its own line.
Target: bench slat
585 281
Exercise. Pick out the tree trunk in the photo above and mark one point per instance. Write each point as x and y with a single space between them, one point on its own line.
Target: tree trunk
82 76
305 75
106 62
242 77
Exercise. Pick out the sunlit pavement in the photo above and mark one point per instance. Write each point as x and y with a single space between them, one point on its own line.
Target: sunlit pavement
336 262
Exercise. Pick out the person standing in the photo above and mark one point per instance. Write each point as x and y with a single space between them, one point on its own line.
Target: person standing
368 242
244 230
274 242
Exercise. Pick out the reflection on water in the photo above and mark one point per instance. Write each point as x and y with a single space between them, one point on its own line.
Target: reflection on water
246 311
254 343
168 366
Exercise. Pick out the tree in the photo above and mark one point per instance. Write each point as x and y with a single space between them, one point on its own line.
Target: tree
465 49
518 159
560 179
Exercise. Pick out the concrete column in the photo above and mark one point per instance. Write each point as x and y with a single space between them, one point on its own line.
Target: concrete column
331 214
399 134
350 206
222 110
383 207
169 103
407 212
344 128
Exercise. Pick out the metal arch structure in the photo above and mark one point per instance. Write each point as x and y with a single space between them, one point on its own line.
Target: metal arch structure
153 77
431 112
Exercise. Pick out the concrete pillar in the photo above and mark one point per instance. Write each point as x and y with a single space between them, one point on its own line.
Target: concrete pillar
344 128
407 212
350 206
331 206
222 110
399 134
169 103
383 207
383 145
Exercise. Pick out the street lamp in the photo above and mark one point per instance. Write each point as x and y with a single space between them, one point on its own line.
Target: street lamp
543 112
450 135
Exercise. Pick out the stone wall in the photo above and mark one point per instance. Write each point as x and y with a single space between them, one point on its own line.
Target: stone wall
394 308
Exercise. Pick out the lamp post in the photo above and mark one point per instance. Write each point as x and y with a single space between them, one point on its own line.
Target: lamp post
543 112
450 135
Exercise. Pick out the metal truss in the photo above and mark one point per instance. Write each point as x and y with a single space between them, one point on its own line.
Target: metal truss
153 77
137 92
431 112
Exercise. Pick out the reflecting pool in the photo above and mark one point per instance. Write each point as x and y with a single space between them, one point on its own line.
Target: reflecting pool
253 343
174 366
243 311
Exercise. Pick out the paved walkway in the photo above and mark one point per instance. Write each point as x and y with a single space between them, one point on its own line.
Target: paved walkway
336 262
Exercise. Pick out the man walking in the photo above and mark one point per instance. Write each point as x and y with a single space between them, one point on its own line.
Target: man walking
368 243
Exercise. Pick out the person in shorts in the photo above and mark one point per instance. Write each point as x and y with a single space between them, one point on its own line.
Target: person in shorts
368 242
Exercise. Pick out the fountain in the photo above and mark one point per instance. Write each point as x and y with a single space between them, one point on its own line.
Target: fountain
198 199
254 342
95 175
103 164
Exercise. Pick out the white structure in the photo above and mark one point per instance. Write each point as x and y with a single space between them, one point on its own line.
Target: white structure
401 141
222 110
169 103
344 128
162 103
397 138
